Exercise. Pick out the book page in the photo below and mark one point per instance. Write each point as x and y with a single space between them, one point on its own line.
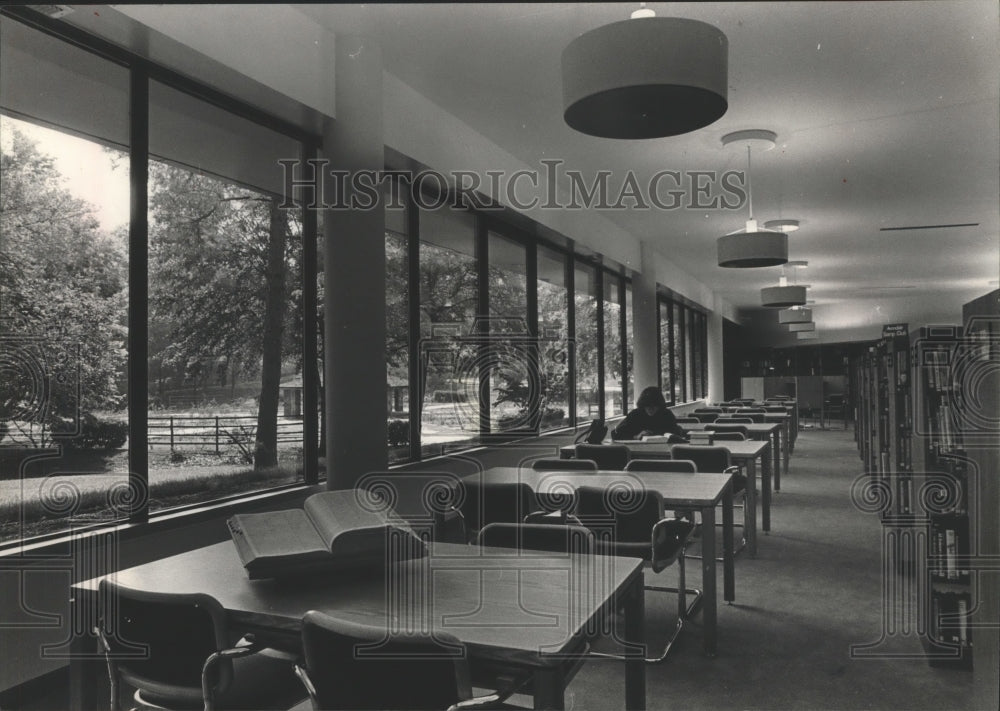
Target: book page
334 512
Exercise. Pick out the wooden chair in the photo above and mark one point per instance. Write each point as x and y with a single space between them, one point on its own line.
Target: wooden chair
564 465
542 537
717 459
636 525
661 465
482 504
607 456
349 665
176 650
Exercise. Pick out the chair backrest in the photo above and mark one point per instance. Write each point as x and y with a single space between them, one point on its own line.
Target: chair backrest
741 420
550 538
773 417
727 427
706 458
707 416
360 666
742 410
722 436
564 465
775 409
422 499
700 410
688 420
482 504
630 513
161 640
661 465
607 456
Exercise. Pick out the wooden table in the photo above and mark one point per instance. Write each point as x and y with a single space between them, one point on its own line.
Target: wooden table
771 431
702 491
521 613
743 453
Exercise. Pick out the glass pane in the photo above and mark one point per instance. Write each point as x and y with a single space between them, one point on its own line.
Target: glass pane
697 352
629 393
224 336
450 412
64 210
397 332
509 350
553 338
689 341
665 355
585 302
613 404
677 329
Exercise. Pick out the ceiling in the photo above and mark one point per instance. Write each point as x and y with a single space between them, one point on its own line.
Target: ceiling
887 115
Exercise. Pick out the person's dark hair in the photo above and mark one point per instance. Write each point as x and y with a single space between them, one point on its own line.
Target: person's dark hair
651 397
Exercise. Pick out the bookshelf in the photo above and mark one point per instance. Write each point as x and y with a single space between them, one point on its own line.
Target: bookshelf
939 455
978 397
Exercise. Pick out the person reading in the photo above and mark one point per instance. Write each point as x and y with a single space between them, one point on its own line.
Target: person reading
649 418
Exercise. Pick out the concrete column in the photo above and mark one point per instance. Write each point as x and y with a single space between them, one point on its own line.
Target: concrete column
716 373
354 278
645 359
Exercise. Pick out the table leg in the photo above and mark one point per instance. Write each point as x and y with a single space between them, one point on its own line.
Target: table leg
750 507
635 633
786 447
765 486
775 439
728 554
549 684
86 668
708 583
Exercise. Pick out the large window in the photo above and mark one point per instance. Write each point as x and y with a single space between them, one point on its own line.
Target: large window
666 351
613 371
508 354
553 338
224 262
587 343
449 364
683 351
397 326
64 206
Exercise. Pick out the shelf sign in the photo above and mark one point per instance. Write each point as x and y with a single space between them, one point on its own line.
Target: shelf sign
894 329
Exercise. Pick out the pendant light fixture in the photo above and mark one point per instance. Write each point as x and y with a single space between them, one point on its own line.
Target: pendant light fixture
785 294
807 336
795 315
752 246
646 77
800 327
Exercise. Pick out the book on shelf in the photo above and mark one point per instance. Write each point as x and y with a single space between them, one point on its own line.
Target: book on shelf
949 546
332 531
950 618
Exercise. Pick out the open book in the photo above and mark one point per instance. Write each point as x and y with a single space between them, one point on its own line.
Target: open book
664 439
332 531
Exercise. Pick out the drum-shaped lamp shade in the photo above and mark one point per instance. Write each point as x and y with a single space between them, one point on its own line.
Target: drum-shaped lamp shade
782 296
795 316
645 78
743 250
799 327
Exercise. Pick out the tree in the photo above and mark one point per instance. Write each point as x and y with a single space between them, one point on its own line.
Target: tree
63 298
